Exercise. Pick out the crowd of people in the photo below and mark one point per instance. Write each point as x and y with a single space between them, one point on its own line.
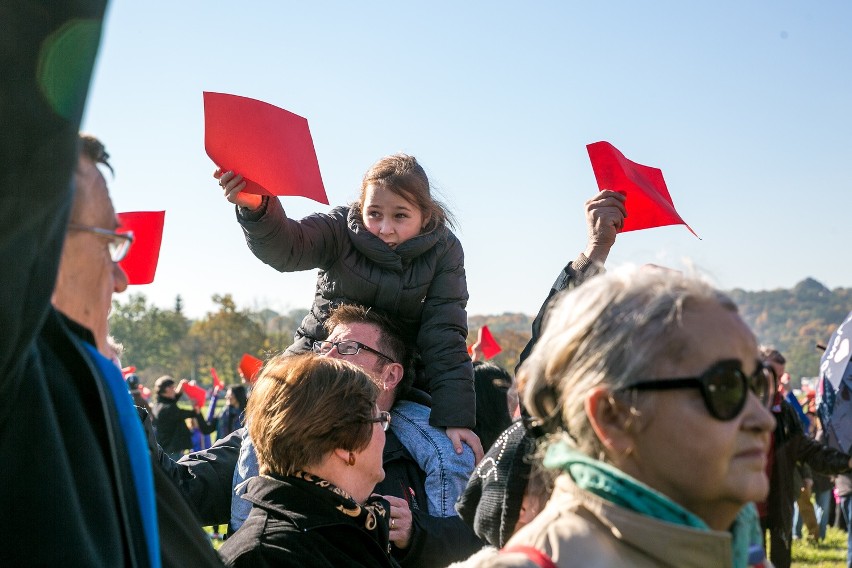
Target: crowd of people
650 430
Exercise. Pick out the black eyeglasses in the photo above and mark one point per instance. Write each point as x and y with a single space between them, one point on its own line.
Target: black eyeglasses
346 347
384 418
724 387
119 243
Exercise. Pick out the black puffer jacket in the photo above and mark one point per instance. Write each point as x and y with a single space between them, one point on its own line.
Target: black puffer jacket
296 523
421 283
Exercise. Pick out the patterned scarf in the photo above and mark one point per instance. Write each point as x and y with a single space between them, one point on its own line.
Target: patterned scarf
372 515
617 487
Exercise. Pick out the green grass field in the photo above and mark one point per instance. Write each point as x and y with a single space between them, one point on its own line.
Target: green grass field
828 554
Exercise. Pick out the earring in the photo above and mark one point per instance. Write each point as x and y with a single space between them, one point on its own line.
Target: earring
351 458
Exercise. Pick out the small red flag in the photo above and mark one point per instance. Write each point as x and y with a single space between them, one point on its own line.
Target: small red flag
140 264
196 393
648 201
217 384
270 147
250 367
487 343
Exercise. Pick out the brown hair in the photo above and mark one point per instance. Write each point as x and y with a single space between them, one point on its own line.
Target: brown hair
391 339
94 149
402 175
303 407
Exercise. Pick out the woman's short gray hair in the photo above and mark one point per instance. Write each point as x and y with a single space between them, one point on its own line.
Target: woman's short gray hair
611 331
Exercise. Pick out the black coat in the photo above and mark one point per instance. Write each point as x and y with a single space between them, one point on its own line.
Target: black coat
421 283
792 445
170 424
295 523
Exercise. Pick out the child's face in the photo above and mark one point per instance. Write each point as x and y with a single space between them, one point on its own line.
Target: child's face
390 217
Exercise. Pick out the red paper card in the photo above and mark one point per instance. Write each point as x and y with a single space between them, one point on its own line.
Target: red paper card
217 384
196 393
250 367
128 370
270 147
648 201
140 264
487 343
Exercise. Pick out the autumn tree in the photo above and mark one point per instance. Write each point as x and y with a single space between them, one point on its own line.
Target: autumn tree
220 339
153 338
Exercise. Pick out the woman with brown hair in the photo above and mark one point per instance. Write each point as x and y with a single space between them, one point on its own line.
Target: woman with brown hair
319 438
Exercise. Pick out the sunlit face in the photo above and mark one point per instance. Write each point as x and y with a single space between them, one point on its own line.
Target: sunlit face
390 217
87 275
365 333
368 462
710 467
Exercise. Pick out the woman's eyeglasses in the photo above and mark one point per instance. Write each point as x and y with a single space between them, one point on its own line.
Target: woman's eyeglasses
384 418
346 347
724 387
119 243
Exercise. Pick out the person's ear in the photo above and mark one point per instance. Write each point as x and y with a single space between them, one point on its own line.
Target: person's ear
342 454
427 216
611 422
392 375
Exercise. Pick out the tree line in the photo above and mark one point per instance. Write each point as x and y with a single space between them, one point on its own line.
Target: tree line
161 341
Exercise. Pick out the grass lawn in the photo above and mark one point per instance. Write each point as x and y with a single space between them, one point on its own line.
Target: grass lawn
828 554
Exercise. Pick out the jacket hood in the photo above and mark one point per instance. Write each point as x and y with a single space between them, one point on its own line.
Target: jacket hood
376 250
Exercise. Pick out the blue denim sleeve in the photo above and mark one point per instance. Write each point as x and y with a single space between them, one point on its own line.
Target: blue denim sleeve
247 468
446 471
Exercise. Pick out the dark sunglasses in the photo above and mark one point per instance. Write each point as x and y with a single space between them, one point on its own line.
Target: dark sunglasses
346 347
724 387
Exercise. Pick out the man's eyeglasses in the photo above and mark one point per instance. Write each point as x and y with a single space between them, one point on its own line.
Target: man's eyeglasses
119 243
724 387
346 347
384 418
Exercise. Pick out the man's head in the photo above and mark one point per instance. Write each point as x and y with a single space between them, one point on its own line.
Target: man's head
382 352
88 275
774 360
165 387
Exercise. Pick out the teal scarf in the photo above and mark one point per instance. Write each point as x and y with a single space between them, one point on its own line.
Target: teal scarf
617 487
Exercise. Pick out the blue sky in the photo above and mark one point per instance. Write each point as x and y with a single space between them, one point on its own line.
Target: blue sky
743 105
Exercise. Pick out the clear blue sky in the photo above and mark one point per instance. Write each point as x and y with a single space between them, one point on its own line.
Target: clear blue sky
745 106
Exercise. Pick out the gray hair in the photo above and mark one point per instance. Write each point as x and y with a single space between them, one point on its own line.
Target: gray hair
611 331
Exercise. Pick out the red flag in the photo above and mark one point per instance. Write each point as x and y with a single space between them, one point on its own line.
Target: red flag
217 384
270 147
487 343
196 393
140 264
648 201
250 367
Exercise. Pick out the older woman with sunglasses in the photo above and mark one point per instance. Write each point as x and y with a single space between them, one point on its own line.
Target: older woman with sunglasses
319 439
648 385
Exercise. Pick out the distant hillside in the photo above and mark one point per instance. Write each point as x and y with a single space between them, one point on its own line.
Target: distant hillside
794 321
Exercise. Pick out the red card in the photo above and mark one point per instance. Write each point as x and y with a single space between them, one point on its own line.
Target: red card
140 264
270 147
196 393
250 367
145 392
648 201
128 370
217 384
487 344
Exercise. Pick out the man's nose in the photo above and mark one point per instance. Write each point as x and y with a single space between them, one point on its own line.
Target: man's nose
119 278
